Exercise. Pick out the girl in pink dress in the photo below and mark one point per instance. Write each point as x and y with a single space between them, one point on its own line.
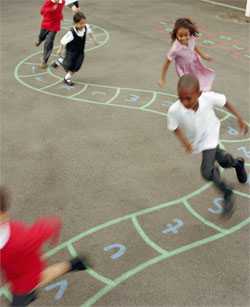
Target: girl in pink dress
187 56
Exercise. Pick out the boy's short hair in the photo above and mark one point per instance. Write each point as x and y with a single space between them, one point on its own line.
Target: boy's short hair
4 199
78 17
188 82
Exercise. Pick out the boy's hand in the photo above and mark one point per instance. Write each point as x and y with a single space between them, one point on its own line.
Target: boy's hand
189 148
243 126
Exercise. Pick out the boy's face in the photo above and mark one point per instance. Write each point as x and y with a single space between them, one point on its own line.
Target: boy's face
81 24
189 97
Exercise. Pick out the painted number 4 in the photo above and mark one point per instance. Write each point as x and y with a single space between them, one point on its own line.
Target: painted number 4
173 228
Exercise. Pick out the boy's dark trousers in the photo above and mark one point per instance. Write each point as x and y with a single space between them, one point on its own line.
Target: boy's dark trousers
49 38
23 300
211 172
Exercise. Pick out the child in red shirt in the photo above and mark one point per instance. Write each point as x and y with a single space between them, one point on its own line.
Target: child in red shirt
52 16
21 254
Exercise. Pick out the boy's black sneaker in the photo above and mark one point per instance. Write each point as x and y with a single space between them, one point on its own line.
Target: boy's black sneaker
240 170
78 264
68 82
228 208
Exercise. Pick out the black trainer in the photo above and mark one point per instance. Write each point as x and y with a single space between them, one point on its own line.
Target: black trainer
228 208
240 170
68 82
78 264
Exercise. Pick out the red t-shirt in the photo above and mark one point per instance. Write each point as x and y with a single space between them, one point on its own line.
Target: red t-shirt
21 257
52 15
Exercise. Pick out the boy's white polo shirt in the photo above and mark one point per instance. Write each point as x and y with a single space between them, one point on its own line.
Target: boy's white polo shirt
201 127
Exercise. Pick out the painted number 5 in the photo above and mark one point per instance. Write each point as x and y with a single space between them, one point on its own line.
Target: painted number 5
217 206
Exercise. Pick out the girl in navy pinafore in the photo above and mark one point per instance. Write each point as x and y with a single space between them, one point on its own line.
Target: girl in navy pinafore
74 42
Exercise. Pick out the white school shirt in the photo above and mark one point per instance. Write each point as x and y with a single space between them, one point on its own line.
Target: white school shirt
68 37
202 127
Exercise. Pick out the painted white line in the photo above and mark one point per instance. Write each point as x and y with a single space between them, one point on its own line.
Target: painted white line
150 102
224 5
50 85
34 75
114 97
35 64
81 91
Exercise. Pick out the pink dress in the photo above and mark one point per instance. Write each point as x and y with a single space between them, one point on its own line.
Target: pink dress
187 61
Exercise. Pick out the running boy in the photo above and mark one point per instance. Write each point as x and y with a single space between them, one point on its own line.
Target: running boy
21 259
74 42
52 16
193 120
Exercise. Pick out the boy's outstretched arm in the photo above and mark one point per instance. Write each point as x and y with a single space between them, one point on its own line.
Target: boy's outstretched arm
242 125
183 139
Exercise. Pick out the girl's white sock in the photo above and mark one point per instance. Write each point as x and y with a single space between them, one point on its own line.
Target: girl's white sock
68 76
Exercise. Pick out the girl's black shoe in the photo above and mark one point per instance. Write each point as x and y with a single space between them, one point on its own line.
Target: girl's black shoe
68 82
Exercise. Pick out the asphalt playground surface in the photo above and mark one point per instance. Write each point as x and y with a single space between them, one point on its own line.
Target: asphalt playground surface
100 157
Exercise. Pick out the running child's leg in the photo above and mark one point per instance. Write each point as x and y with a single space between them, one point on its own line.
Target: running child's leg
57 62
41 37
56 270
49 275
48 47
226 160
68 78
210 172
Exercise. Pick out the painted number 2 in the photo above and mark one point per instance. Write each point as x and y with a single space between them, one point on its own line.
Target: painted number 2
217 206
120 250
